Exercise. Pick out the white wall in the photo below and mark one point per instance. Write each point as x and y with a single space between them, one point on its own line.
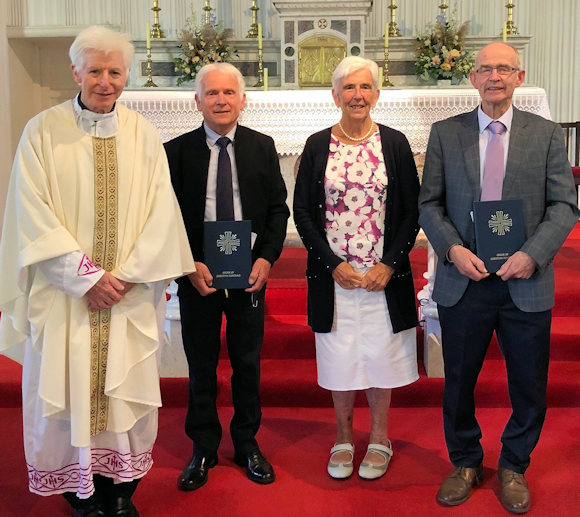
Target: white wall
5 117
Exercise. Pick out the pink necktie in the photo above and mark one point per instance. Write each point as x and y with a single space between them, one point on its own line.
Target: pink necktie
494 163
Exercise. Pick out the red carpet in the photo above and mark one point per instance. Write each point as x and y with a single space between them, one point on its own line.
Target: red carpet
298 428
297 442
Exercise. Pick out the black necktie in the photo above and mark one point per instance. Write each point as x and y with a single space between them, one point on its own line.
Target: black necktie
224 191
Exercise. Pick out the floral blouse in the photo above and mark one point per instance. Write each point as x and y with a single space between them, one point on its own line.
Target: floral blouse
355 184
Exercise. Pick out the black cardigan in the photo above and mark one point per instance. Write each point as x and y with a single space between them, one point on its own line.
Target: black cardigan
401 228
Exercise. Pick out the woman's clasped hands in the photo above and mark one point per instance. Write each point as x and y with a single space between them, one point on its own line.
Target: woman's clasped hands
375 279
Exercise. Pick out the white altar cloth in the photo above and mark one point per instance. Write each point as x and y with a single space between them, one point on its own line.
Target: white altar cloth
290 116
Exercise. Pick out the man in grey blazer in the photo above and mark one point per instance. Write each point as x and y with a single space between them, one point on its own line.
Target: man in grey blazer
516 301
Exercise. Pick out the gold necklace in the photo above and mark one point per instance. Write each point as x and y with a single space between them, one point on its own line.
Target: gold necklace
353 138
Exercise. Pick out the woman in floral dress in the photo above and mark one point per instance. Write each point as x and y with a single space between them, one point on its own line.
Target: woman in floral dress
355 207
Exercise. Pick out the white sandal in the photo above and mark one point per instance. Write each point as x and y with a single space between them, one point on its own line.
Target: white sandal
370 471
341 470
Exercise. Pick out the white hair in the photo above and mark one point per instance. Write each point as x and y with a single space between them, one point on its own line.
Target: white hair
221 67
100 39
352 64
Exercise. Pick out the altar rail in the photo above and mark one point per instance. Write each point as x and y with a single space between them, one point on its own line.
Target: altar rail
290 116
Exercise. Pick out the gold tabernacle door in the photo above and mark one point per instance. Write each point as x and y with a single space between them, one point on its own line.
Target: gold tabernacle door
317 58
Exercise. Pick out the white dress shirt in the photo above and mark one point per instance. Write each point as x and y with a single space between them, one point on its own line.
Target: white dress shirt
210 196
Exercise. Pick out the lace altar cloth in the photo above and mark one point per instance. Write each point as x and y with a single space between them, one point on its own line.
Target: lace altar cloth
290 116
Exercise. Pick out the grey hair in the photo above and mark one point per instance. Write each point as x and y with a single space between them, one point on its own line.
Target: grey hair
221 67
352 64
100 39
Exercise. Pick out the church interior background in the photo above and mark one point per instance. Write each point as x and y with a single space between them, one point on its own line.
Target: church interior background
288 78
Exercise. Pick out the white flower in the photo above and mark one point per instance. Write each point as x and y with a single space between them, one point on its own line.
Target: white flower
359 246
345 224
378 205
334 175
358 172
334 188
354 198
365 210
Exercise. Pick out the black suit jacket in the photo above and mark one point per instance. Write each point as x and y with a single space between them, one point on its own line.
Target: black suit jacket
262 189
401 228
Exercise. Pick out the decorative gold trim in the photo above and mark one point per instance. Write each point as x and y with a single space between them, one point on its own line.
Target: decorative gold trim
104 256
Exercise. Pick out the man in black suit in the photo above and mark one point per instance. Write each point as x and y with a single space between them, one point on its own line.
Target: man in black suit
259 195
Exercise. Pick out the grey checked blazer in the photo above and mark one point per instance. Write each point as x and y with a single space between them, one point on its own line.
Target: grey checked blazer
537 171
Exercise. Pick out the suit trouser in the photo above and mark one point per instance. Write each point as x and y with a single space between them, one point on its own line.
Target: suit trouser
201 321
524 339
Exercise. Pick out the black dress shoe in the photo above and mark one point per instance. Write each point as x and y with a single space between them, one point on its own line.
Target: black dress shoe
91 507
94 511
122 507
257 467
194 475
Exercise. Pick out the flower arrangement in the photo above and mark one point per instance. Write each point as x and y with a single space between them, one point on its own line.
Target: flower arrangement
200 45
441 52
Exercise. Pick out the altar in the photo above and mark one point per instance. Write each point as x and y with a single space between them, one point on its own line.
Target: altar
289 117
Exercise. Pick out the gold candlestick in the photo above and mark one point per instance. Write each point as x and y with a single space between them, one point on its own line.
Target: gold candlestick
511 29
156 31
393 29
148 70
443 7
386 82
253 32
207 10
260 82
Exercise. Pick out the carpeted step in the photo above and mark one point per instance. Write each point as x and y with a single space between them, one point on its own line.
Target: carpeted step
290 297
290 337
292 383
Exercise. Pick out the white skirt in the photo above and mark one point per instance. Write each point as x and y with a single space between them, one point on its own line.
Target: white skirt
361 351
55 466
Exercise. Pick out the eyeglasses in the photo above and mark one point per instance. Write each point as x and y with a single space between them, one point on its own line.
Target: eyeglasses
502 70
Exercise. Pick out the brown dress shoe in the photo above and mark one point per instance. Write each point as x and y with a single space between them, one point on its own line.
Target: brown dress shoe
515 496
457 487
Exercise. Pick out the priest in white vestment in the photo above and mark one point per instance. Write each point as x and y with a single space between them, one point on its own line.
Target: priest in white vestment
92 235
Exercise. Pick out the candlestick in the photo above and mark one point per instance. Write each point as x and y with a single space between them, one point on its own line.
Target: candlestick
253 32
387 35
385 82
504 32
207 9
260 82
148 68
380 77
511 29
265 79
156 31
393 29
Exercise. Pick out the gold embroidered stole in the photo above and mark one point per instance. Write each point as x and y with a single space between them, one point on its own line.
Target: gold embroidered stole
104 255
